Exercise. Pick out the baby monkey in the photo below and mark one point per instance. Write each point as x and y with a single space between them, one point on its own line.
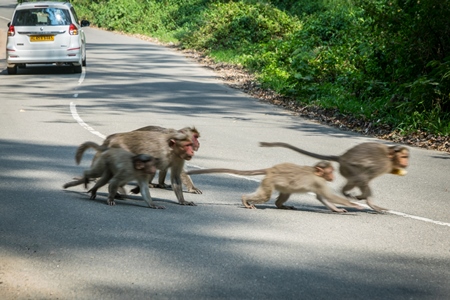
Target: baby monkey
288 178
118 167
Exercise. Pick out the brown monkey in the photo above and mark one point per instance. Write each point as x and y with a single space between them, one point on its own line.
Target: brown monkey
118 167
362 163
172 149
289 178
187 181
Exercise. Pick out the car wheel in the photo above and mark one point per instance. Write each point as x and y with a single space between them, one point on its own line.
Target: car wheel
83 62
12 70
77 69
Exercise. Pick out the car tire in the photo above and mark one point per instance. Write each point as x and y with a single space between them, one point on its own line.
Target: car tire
77 69
83 63
12 70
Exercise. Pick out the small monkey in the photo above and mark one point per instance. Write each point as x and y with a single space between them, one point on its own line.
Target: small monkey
172 149
118 167
362 163
288 178
187 181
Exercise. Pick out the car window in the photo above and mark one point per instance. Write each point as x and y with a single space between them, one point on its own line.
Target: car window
74 14
42 16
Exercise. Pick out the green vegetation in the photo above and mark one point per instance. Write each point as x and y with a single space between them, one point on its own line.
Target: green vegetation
385 61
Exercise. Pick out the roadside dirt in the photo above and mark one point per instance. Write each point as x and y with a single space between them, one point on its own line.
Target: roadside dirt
238 78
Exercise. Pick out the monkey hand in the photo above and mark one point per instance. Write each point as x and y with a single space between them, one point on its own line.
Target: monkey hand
194 190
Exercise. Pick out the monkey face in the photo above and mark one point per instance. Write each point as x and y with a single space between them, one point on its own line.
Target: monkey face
402 158
328 174
196 143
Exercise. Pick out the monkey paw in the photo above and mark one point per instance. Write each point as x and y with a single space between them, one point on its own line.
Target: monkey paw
194 190
111 202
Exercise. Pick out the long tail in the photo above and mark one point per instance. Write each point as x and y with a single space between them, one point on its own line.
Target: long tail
232 171
86 145
315 155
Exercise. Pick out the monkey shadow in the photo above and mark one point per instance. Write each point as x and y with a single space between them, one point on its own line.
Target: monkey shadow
128 199
316 209
441 156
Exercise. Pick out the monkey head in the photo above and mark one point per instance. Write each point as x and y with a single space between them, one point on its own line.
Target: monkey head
145 163
183 148
325 170
399 156
193 132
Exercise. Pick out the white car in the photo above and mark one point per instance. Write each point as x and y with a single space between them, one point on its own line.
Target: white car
45 33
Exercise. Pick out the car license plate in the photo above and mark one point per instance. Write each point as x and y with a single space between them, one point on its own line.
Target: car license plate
42 38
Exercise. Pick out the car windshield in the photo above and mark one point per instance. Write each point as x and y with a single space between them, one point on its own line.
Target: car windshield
42 16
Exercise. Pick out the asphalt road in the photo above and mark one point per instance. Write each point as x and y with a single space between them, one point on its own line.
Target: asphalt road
58 244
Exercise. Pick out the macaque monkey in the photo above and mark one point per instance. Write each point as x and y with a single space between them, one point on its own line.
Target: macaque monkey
172 149
118 167
287 179
362 163
187 181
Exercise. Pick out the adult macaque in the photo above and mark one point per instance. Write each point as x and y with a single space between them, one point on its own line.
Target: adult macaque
172 149
288 179
118 167
193 133
362 163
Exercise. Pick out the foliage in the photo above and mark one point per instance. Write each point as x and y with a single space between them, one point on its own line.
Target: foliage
382 60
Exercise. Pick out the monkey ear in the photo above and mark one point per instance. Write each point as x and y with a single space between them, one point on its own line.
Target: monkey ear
319 172
172 143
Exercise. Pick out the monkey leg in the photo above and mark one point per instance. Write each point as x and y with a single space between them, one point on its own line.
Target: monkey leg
106 176
145 192
330 205
161 180
375 207
75 182
281 199
177 188
366 193
114 185
261 195
187 181
347 187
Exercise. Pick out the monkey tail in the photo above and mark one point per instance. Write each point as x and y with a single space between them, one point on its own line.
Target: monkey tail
86 145
232 171
315 155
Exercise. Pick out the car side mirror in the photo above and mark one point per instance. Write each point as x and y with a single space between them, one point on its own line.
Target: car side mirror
85 23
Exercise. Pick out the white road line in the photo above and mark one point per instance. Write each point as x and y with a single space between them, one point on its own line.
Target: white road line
83 74
418 218
73 111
